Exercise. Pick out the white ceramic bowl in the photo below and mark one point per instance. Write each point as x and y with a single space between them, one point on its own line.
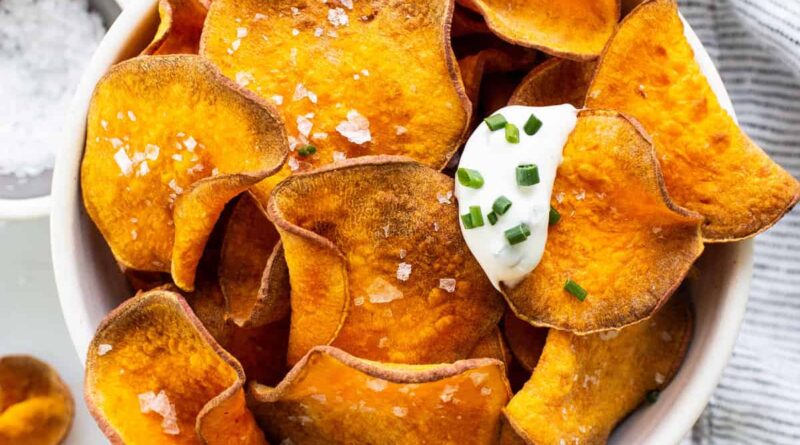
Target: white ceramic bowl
90 284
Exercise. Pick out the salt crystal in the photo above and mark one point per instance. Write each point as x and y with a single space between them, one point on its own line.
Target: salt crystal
403 271
235 45
381 291
447 393
151 151
259 16
319 135
659 378
295 11
358 301
295 31
190 143
339 156
131 116
243 78
403 253
241 32
104 124
355 128
435 227
160 404
365 72
134 220
377 385
123 162
177 157
318 32
120 115
580 195
356 76
656 230
300 92
400 130
560 197
143 169
312 97
338 17
478 378
485 391
608 335
304 125
173 184
134 234
399 411
444 198
321 398
103 349
277 99
116 142
447 284
383 342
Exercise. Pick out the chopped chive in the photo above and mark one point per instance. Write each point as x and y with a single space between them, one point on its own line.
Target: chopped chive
527 174
533 125
554 216
467 220
512 133
501 205
652 396
573 288
476 216
307 150
492 217
495 122
470 178
518 234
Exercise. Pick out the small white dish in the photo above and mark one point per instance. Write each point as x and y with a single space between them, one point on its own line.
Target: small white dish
90 284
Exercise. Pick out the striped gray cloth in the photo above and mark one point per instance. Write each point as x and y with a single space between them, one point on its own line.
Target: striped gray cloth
756 46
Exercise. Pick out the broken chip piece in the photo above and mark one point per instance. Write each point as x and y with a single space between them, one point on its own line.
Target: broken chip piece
179 29
710 166
620 238
554 82
341 79
169 142
153 373
249 248
584 385
333 397
36 407
377 264
573 29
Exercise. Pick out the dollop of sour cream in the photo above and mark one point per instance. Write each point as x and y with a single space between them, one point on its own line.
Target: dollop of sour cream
496 159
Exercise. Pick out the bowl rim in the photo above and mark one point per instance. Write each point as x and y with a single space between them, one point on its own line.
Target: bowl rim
66 210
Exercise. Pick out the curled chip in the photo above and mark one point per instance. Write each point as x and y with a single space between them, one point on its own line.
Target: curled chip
377 263
179 29
349 79
525 341
573 29
620 238
153 373
467 23
36 407
333 397
169 142
249 247
488 61
555 82
710 166
584 385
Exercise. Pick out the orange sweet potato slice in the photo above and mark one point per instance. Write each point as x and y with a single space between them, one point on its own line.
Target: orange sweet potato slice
573 29
488 61
555 82
584 385
377 264
154 375
351 78
710 166
524 340
333 397
179 29
249 247
169 142
620 237
467 23
36 407
492 346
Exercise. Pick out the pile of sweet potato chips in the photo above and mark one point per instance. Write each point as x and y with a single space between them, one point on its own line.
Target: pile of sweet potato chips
273 179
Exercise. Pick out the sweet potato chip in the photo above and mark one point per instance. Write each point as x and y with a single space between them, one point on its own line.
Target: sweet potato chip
573 29
377 263
140 280
36 407
488 61
584 385
710 166
169 142
155 375
620 237
350 79
555 82
248 248
467 23
524 340
179 29
492 346
333 397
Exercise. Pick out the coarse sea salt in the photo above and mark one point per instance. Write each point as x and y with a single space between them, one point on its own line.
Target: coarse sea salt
44 46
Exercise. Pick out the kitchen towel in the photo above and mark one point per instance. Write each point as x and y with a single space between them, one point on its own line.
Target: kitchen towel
756 47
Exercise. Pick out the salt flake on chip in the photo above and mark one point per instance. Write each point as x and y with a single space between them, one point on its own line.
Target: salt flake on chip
103 349
338 17
355 128
160 404
123 162
403 271
377 385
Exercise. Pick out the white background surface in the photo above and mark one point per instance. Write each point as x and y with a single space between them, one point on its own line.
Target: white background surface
30 315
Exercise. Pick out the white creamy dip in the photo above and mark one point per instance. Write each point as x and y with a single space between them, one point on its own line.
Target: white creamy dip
496 159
